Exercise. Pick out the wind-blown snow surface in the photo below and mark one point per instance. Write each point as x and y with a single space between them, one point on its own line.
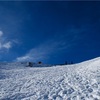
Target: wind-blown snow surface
67 82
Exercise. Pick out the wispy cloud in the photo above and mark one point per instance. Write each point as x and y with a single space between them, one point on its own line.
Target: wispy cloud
7 45
58 43
1 33
40 52
4 44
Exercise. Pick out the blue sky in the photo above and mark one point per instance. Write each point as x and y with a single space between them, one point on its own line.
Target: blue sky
51 32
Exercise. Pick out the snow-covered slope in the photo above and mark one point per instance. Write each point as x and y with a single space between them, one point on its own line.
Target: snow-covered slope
68 82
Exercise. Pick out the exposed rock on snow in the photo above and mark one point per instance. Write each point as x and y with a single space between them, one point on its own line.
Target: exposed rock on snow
68 82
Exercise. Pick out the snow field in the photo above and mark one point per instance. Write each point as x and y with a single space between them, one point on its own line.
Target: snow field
67 82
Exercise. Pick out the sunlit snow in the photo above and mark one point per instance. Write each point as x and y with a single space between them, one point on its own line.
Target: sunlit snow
67 82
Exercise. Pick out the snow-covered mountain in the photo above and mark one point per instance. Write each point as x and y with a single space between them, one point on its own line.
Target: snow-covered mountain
67 82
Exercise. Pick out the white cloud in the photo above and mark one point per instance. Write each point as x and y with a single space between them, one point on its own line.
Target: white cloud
35 54
4 44
23 58
7 45
43 51
1 33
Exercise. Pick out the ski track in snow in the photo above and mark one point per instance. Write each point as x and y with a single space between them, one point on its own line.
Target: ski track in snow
68 82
